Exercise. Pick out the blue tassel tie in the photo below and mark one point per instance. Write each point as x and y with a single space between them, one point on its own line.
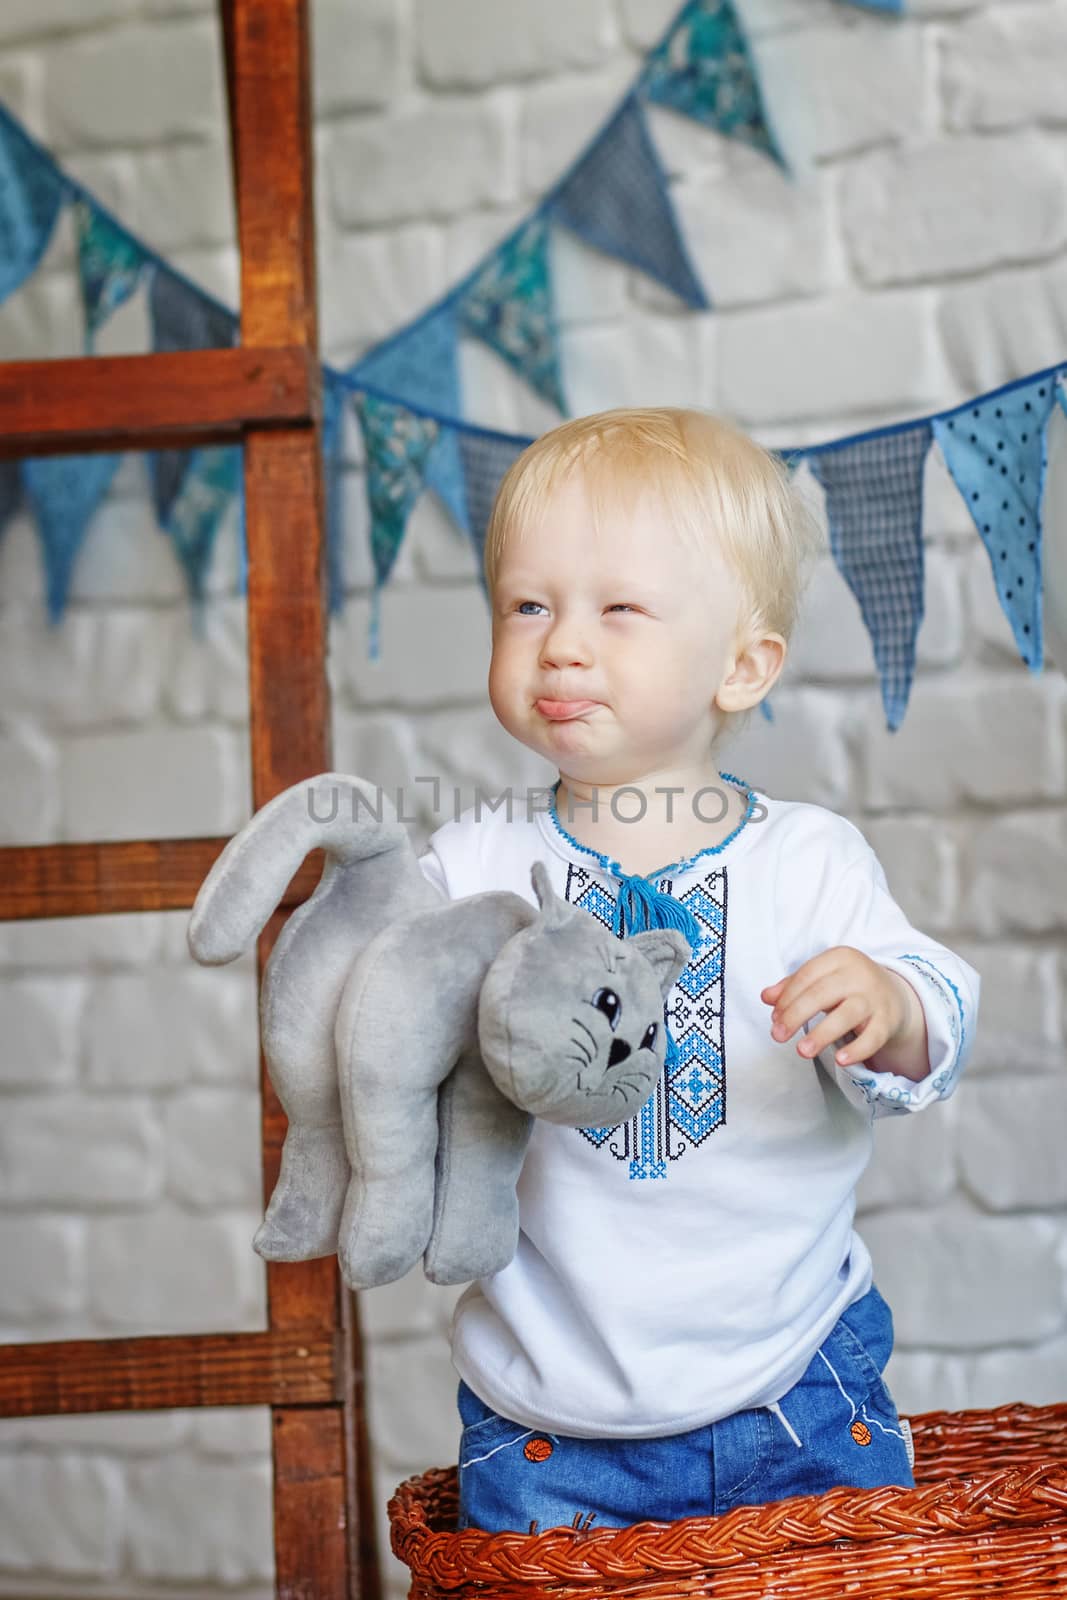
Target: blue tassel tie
640 907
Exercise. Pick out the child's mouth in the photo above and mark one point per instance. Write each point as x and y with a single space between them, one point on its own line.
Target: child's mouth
563 710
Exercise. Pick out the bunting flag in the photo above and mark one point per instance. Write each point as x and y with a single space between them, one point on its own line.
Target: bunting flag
32 192
333 404
182 317
110 266
509 304
198 507
704 68
397 443
995 451
63 492
617 198
874 508
420 366
1054 536
486 457
444 475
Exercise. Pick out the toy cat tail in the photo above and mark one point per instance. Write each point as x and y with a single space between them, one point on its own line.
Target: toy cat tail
370 876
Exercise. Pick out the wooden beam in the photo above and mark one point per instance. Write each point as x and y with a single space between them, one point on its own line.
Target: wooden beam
290 1366
320 1486
84 880
153 402
310 1550
290 706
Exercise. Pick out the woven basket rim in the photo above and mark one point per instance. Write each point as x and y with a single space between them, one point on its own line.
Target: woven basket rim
964 1504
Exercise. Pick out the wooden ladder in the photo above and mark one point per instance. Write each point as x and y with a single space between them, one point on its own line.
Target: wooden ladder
266 395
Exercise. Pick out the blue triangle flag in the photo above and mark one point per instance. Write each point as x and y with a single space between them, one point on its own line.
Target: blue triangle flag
417 365
185 318
1054 534
110 264
704 68
397 443
63 492
181 318
333 401
242 541
617 199
874 506
444 475
486 457
192 522
509 305
32 190
995 451
420 366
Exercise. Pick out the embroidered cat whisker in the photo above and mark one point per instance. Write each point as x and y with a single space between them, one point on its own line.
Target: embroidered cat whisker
589 1031
635 1088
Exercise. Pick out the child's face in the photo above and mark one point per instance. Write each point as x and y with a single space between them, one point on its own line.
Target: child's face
609 649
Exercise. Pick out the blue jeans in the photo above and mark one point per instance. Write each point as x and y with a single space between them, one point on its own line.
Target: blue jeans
836 1425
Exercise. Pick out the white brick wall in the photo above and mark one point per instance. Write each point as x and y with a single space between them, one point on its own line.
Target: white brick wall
916 255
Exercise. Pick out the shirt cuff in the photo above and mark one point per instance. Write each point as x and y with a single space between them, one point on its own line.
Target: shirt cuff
890 1093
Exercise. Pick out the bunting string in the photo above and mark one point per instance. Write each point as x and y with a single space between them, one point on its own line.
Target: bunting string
405 392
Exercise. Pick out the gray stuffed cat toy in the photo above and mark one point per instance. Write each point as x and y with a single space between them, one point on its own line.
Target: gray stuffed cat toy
412 1039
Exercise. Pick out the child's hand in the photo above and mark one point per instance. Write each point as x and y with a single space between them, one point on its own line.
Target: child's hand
867 1008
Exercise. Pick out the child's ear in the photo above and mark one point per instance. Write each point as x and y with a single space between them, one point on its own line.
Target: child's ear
755 671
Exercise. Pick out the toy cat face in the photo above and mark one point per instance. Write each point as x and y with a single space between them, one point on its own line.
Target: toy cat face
570 1018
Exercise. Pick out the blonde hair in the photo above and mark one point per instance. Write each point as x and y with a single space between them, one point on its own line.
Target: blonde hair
721 490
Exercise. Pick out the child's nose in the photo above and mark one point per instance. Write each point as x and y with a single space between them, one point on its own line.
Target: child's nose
565 645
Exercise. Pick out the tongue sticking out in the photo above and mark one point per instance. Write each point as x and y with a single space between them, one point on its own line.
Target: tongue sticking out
561 710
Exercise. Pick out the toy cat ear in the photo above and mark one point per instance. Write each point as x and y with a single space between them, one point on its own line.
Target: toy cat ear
555 912
667 953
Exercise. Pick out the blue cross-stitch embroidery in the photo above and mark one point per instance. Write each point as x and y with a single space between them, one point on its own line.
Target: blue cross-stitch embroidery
690 1098
953 1009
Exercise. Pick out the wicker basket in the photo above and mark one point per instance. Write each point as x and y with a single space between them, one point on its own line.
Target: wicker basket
988 1517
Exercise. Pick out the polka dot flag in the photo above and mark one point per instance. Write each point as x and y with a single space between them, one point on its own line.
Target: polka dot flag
995 451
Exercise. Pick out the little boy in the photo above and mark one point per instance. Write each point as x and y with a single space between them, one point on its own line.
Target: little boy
689 1323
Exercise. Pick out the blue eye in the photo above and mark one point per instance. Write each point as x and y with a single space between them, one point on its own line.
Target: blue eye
522 603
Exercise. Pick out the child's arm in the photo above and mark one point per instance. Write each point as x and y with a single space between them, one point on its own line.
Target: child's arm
900 1007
